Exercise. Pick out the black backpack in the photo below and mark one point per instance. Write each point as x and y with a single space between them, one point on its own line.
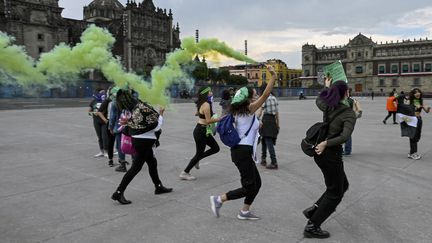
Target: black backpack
144 119
317 133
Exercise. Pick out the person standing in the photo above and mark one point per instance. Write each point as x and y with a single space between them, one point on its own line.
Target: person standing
332 101
269 129
243 108
416 100
225 101
202 136
391 108
99 124
355 105
143 143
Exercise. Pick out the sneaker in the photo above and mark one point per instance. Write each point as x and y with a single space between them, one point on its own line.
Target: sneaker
100 154
186 176
346 154
384 122
115 153
247 216
160 189
215 205
263 162
395 123
110 163
414 156
197 166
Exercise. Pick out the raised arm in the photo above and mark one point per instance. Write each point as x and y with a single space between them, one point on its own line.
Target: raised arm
254 106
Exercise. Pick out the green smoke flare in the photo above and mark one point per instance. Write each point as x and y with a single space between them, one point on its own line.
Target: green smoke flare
94 52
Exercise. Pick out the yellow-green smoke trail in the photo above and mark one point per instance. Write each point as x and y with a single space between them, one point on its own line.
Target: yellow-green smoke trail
16 63
94 52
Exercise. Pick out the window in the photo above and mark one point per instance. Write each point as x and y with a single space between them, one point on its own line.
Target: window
256 75
381 69
248 75
394 69
395 83
264 76
307 73
405 68
381 83
416 67
40 37
416 82
41 50
359 54
359 69
428 67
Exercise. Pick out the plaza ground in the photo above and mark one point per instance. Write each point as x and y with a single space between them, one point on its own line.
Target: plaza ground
53 190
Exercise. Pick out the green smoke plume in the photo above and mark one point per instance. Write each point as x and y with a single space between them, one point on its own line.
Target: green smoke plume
15 62
94 52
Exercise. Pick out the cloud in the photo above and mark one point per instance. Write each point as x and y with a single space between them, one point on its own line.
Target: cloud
281 27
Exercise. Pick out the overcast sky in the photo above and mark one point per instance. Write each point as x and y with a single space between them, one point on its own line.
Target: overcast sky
278 28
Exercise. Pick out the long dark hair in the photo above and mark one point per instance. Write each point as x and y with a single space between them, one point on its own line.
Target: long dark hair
334 94
412 96
125 100
201 99
242 108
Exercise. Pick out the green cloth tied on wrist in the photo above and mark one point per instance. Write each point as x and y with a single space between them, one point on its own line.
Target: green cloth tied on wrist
211 128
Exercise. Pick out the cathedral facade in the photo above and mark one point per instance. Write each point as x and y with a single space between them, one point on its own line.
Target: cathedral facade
144 33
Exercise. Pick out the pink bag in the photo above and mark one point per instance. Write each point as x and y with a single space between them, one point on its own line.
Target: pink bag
126 145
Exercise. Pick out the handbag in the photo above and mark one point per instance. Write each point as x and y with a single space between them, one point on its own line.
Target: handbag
126 145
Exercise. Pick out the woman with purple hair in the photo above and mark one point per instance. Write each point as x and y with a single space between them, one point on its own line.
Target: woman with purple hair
333 102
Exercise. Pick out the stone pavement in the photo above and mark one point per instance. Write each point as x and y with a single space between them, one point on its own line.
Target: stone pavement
53 190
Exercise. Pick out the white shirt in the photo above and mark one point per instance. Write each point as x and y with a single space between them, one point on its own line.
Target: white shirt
242 124
151 134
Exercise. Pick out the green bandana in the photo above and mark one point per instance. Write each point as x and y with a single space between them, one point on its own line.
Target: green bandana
240 96
345 102
114 91
206 90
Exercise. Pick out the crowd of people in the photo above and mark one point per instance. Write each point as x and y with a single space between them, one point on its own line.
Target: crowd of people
120 116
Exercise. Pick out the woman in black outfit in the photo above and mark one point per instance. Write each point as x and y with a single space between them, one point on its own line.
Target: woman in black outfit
329 156
416 100
143 144
202 135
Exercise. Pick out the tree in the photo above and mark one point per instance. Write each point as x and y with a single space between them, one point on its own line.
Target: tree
200 71
237 80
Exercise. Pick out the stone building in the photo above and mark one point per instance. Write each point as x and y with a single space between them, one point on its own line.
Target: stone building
144 34
372 66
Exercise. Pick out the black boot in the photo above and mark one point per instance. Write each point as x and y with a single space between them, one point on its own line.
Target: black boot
308 212
110 163
118 196
312 231
122 166
161 189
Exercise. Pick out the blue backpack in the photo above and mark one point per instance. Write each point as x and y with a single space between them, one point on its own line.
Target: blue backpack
228 133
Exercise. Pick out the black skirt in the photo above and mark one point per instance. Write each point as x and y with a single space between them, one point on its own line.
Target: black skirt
269 127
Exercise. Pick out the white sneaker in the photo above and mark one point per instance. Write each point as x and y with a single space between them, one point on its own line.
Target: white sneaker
414 156
100 154
115 153
186 176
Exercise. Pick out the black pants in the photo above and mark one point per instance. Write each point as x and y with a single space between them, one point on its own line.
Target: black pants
241 155
110 143
201 141
416 138
389 114
144 148
101 132
331 165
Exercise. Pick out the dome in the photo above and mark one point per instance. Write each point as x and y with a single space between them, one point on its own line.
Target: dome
109 4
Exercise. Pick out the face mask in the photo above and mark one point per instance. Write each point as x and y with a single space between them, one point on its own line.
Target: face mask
210 99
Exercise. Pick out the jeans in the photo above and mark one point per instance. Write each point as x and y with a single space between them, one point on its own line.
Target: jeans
121 155
416 138
348 146
241 155
267 143
144 148
201 140
331 165
101 133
